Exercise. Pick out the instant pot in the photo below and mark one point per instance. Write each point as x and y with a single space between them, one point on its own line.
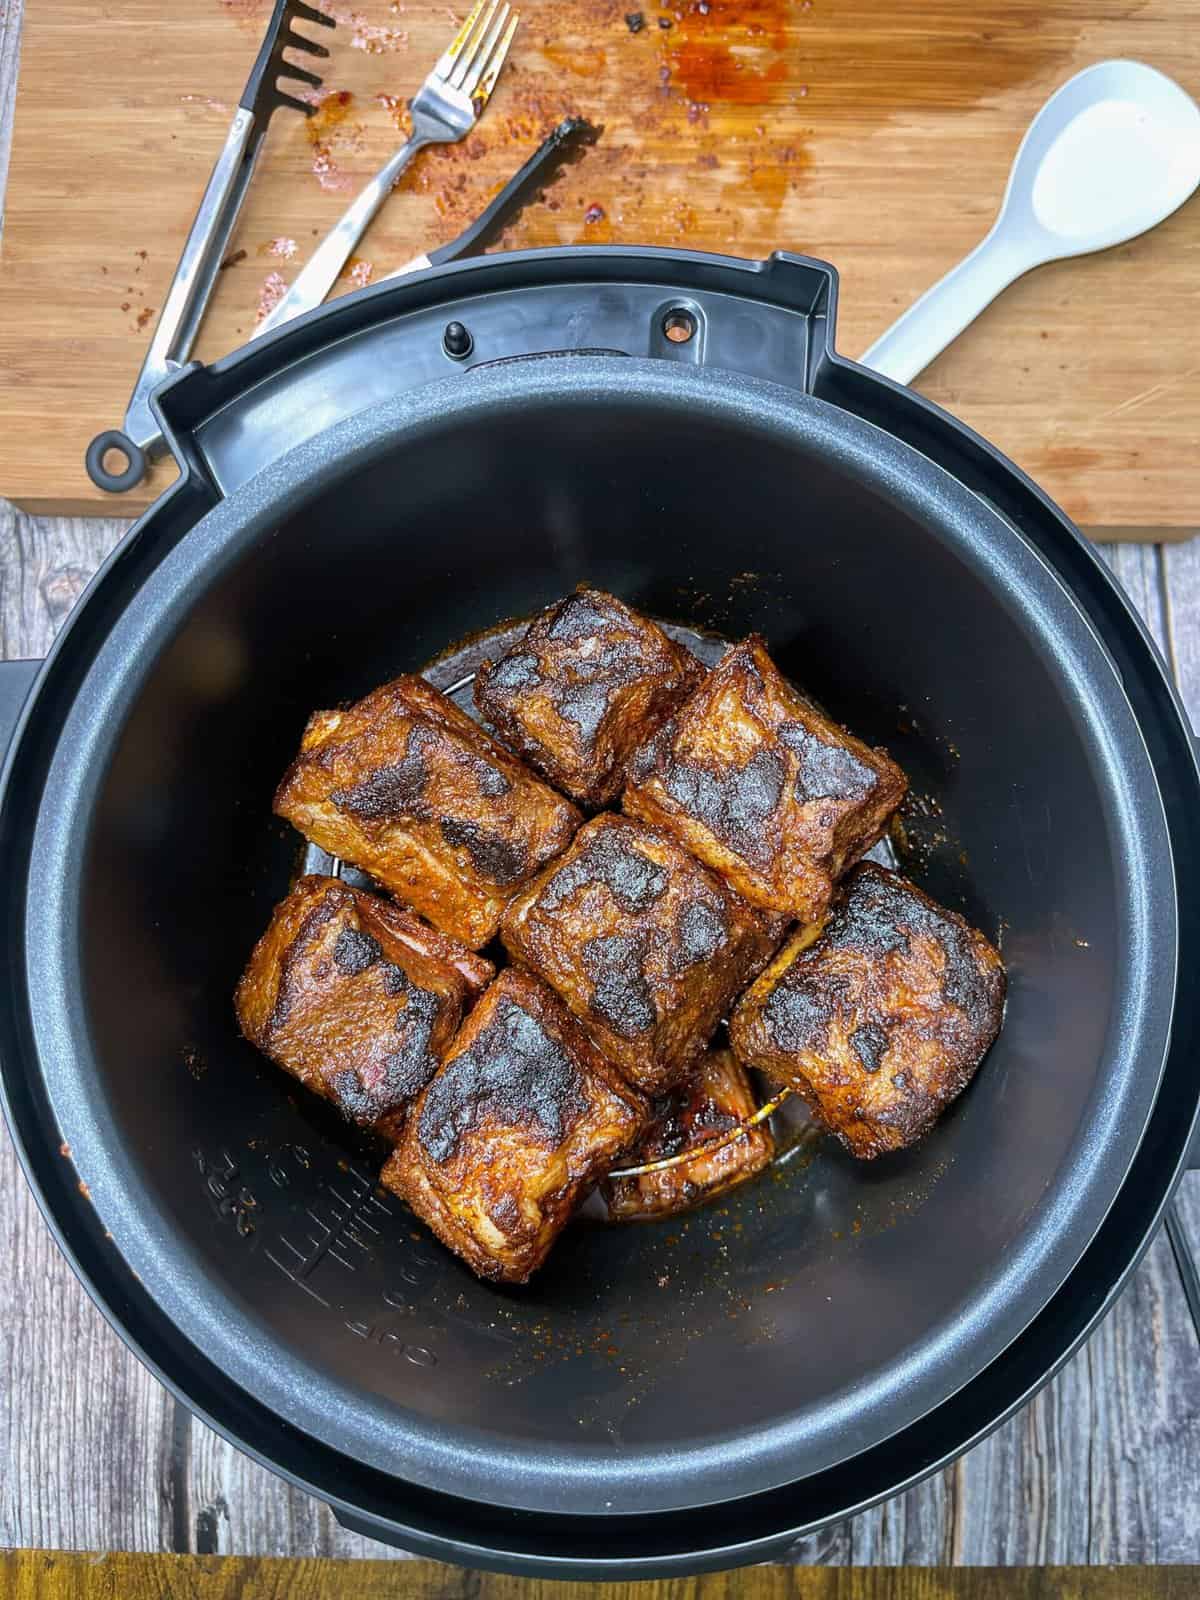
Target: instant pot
407 466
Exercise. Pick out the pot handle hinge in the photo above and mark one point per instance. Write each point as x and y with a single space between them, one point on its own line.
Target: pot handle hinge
1185 1262
16 680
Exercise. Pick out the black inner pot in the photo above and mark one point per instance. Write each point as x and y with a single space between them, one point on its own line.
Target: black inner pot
814 1313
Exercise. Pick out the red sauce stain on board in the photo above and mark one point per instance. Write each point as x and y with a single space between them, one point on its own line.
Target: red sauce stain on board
274 287
328 129
712 125
373 37
358 272
585 61
726 52
708 72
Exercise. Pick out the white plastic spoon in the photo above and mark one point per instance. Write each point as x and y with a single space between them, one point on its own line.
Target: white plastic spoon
1110 155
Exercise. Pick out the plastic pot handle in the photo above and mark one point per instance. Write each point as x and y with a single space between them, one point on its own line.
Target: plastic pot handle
16 680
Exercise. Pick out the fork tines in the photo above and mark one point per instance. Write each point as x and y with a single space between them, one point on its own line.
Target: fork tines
481 88
472 61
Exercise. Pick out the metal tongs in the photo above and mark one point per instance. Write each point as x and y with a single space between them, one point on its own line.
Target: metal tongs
191 288
567 143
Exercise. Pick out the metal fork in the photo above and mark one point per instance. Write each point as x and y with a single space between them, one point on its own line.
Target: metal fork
445 109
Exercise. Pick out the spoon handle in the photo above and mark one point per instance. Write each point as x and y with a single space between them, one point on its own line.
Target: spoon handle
943 311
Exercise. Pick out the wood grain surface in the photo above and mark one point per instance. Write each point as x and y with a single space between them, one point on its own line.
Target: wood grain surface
1102 1467
36 1575
877 135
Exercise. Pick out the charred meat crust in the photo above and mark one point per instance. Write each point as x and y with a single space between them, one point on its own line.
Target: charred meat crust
405 785
356 998
882 1018
589 681
524 1115
763 787
643 943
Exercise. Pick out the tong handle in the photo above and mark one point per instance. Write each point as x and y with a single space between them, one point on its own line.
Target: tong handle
115 481
184 306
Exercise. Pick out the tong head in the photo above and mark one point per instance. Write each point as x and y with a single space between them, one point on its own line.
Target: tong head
263 93
568 142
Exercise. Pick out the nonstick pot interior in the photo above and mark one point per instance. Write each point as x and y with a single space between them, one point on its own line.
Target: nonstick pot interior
812 1314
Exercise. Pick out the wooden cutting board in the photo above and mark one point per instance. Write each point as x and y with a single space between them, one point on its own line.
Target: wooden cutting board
874 133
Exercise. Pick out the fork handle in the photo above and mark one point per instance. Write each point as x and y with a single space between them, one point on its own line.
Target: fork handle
320 272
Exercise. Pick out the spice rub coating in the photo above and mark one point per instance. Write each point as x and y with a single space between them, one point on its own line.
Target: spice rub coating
646 945
406 786
522 1118
356 998
590 680
879 1017
762 786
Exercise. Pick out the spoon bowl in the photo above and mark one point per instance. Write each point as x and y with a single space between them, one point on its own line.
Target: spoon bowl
1110 155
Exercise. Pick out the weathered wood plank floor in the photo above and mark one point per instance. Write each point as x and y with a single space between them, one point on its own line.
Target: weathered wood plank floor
1104 1466
35 1575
